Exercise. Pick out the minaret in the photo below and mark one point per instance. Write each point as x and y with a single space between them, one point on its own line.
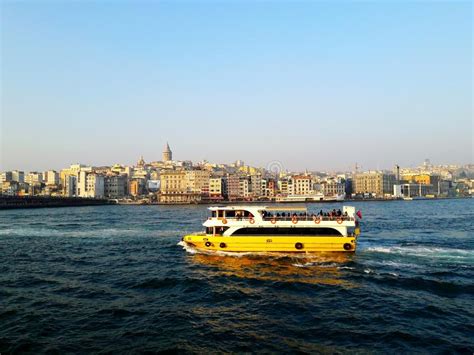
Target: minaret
167 154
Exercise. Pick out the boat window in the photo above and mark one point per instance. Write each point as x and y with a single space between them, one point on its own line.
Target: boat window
213 214
219 230
287 231
230 214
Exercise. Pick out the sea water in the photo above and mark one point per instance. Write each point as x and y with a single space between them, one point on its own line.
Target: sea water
117 279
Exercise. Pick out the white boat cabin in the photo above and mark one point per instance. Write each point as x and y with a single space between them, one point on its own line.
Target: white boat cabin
282 220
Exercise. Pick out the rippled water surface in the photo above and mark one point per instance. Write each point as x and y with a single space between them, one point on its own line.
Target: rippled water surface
115 279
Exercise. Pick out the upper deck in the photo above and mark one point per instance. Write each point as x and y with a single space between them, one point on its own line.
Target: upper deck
279 216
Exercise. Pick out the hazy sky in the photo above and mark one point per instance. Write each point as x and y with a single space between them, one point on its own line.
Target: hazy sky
316 85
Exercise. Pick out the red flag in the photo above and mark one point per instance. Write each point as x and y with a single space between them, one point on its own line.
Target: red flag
359 214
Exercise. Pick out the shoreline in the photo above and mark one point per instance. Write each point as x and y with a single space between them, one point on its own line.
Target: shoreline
27 202
239 203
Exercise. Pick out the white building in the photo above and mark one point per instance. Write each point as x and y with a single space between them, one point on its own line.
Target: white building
33 178
244 187
301 185
90 185
18 176
51 177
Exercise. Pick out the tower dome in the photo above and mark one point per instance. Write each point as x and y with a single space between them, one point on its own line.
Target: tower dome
167 154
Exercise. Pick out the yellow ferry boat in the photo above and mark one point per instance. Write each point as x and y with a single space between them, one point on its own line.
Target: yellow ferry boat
270 229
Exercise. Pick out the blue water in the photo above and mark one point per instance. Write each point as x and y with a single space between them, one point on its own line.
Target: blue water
114 279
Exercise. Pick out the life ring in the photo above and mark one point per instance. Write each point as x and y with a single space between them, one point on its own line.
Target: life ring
224 221
222 245
317 220
347 246
208 244
273 220
299 246
294 219
339 220
251 220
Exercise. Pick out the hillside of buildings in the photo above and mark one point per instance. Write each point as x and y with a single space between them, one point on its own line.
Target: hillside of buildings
174 182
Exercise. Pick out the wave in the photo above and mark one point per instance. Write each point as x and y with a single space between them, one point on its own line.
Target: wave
421 251
101 233
319 265
191 250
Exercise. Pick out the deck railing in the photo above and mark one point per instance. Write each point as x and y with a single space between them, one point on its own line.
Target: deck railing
289 218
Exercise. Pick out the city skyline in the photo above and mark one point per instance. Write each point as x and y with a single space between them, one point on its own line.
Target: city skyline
268 165
273 166
315 86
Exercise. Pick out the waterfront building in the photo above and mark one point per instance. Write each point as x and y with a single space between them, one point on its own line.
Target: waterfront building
256 186
51 177
33 178
216 189
271 188
415 190
173 186
197 183
167 154
18 176
90 184
300 185
244 192
115 186
68 178
376 183
424 179
232 187
284 187
69 185
333 188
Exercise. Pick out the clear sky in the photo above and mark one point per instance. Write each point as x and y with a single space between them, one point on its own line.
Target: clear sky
316 85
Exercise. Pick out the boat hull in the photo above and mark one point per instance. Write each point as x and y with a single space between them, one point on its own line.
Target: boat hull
268 243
